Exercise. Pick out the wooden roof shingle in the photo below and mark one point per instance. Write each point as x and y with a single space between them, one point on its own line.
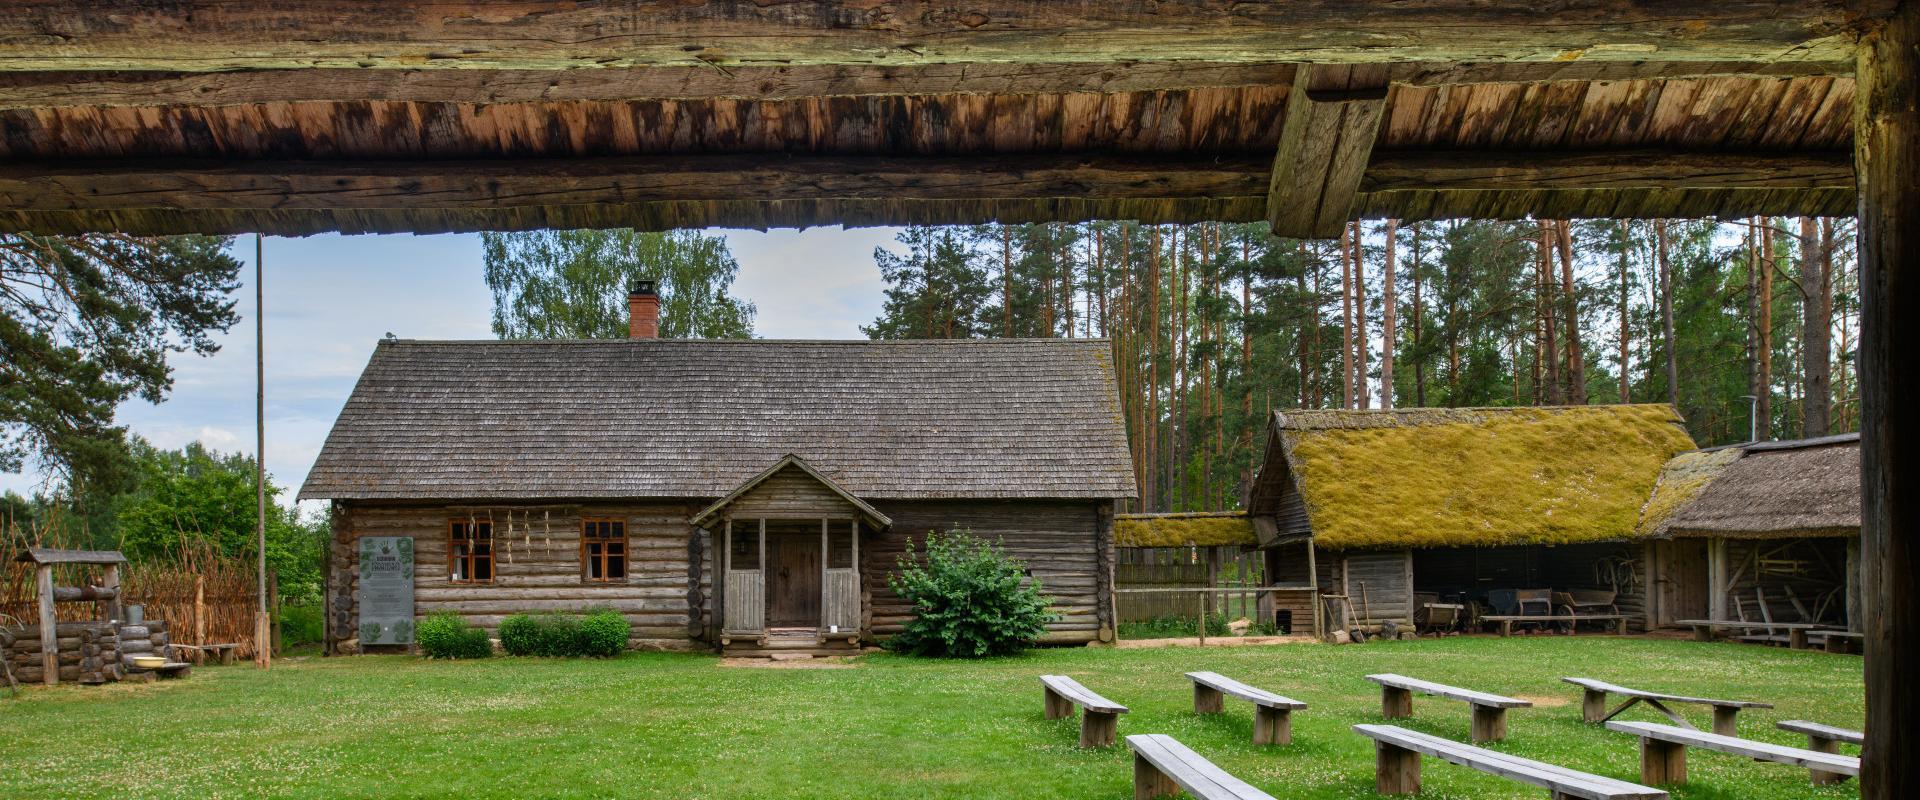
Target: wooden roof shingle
1034 418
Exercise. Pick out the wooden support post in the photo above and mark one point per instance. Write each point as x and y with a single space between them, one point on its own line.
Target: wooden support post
1396 769
1822 744
1057 707
1593 706
1726 720
1395 702
1207 700
1272 725
1098 729
1662 762
1149 782
199 616
1489 724
1703 633
116 606
1886 148
1332 119
49 631
826 603
1716 579
1797 638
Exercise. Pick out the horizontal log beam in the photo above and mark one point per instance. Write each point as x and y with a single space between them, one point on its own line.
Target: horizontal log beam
150 89
559 34
1634 169
776 191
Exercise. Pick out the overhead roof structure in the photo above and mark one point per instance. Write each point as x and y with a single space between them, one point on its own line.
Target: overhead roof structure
337 115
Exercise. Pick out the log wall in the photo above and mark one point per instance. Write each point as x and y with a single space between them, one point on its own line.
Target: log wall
1066 545
537 568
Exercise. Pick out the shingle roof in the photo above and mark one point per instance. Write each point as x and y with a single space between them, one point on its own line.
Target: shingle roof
1020 418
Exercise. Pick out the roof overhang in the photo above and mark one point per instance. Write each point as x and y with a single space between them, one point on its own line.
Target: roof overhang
867 513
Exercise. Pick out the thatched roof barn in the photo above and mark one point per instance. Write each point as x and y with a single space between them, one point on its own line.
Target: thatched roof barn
1462 477
748 496
1809 487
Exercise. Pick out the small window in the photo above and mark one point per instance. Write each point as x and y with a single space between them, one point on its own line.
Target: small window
470 551
839 545
746 550
603 546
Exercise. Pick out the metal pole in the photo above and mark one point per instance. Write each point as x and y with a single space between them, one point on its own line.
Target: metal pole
1753 417
262 624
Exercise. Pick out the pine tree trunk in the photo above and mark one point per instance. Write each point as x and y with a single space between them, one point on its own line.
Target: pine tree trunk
1006 281
1177 469
1361 342
1419 325
1548 350
1576 375
1309 335
1765 351
1389 311
1153 373
1665 278
1453 331
1346 314
1816 242
1626 383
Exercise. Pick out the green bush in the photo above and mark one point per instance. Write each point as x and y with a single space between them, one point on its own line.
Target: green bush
448 636
300 625
600 633
968 599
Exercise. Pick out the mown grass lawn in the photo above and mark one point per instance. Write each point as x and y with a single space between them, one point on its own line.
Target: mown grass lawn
659 725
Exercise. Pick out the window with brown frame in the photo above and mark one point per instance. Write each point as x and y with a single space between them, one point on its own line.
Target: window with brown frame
603 550
469 551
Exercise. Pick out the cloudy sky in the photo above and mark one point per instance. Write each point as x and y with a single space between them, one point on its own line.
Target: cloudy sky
330 298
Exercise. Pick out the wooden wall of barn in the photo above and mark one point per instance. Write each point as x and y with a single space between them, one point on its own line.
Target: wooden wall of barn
1379 584
537 569
1067 546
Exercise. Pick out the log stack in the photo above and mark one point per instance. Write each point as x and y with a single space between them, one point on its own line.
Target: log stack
89 652
147 638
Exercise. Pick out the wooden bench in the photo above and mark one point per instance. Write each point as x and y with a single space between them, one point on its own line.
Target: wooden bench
1663 753
1823 739
1796 636
1162 767
1100 717
1507 621
1489 710
197 653
1593 704
1397 767
1841 641
1272 714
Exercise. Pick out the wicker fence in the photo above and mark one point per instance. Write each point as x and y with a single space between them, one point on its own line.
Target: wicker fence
205 597
1168 582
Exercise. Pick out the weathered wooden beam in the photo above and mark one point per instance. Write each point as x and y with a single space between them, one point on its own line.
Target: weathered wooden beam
72 88
701 82
557 34
1332 119
1887 146
1630 169
229 185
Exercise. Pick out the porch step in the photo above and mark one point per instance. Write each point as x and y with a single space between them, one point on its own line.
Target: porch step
781 645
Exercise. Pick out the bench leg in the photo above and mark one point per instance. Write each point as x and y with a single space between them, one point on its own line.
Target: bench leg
1149 782
1207 700
1395 702
1396 769
1272 725
1620 627
1593 706
1662 762
1097 729
1822 744
1836 644
1724 720
1489 724
1057 707
1703 633
1506 628
1797 639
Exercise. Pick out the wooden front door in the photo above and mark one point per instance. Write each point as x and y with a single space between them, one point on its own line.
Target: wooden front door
1682 581
793 580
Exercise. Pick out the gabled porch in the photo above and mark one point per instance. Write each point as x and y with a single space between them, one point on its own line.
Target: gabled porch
786 564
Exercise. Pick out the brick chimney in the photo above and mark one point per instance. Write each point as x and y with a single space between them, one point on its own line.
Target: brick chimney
643 310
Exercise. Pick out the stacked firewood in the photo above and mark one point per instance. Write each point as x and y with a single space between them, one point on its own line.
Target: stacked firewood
89 652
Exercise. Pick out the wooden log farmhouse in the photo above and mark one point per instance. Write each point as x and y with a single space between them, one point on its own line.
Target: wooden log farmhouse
641 474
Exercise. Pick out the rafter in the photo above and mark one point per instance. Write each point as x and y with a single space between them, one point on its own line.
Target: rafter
1332 119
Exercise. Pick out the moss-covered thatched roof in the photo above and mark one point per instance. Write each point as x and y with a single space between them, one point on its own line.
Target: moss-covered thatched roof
1774 490
1681 480
1201 529
1478 477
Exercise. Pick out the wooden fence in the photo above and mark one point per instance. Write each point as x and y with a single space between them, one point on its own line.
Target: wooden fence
205 597
1174 582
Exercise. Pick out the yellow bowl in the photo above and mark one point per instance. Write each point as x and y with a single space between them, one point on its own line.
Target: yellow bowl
149 662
